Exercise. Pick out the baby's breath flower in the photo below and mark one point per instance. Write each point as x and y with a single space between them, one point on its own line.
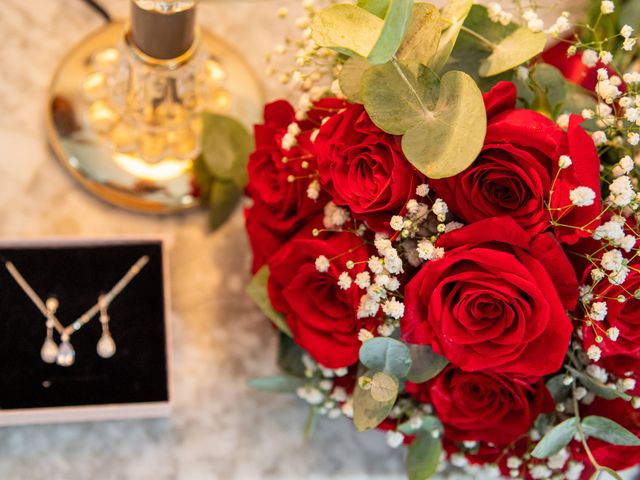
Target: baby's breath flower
626 31
344 281
599 137
606 57
394 439
363 280
607 7
613 333
582 196
597 372
422 190
313 190
628 44
563 121
322 264
565 161
594 352
621 191
590 58
397 222
522 73
440 207
393 308
598 311
364 335
428 251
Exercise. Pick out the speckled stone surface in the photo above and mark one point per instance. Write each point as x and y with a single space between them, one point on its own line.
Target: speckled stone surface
220 429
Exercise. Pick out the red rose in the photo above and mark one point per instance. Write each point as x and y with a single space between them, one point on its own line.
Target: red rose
514 172
496 300
321 315
282 206
487 406
607 454
363 168
623 355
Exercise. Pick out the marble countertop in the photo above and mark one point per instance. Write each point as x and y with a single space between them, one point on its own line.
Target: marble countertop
220 429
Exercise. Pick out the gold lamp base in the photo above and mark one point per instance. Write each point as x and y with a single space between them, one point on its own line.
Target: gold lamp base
93 136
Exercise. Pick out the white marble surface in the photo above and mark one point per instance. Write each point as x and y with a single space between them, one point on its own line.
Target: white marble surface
220 429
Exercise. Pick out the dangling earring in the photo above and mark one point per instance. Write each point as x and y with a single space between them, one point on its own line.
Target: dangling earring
106 347
49 350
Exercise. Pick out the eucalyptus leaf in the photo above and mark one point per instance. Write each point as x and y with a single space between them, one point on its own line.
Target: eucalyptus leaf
609 431
368 412
277 383
226 145
443 125
513 50
224 196
556 439
377 7
453 16
350 78
423 457
392 33
386 355
421 39
384 387
347 29
425 363
448 140
469 52
558 390
544 91
202 178
597 387
257 291
427 423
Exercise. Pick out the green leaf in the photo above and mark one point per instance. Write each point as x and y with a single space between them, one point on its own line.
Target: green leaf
556 439
257 291
513 50
609 431
425 364
373 401
421 39
443 127
202 178
428 424
424 456
386 355
545 90
558 390
469 52
350 78
449 140
392 33
597 387
377 7
277 383
453 16
224 196
226 145
347 29
290 356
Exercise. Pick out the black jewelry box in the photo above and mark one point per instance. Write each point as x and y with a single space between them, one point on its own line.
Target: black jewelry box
133 383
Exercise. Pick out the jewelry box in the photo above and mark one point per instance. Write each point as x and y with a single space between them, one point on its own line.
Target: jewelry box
84 330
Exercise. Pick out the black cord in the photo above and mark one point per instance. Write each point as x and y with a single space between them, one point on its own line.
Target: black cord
98 9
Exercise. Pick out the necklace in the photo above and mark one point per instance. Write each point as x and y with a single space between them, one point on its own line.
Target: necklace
64 354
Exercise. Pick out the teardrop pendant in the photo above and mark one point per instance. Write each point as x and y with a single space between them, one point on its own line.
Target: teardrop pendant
106 346
49 351
66 354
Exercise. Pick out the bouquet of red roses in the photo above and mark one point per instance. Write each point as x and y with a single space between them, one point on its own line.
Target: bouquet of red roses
445 232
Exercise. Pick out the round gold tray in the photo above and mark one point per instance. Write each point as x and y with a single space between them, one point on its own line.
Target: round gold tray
125 180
